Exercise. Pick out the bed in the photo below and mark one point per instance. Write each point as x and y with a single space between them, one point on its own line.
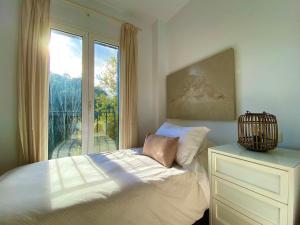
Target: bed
118 188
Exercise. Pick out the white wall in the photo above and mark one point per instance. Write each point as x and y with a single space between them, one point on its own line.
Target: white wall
266 37
145 84
160 68
9 17
68 15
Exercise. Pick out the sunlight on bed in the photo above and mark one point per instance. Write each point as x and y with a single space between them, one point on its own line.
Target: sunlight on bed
82 178
74 177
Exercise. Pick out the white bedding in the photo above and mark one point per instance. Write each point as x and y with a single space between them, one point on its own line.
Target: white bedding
120 188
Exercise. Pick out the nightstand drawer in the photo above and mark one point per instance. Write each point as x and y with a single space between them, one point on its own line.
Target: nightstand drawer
224 215
263 209
262 179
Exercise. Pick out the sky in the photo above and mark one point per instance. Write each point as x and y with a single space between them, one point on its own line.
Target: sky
102 54
66 55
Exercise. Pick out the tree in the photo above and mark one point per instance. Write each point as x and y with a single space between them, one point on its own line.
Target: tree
64 108
106 105
65 105
108 77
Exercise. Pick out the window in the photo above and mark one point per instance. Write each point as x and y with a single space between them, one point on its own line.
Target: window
106 99
83 94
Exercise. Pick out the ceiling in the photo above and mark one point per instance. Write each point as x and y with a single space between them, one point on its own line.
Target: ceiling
146 10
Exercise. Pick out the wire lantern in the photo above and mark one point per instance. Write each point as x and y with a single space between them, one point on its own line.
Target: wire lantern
258 131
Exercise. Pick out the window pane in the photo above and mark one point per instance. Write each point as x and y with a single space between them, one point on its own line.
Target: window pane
106 99
65 101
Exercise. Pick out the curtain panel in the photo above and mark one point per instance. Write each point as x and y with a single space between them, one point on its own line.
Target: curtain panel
128 87
33 80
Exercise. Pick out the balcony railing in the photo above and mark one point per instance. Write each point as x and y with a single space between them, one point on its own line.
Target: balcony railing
65 132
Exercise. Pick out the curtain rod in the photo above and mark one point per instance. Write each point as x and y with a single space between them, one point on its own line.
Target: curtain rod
83 7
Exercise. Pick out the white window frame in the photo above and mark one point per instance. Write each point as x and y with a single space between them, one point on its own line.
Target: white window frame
88 39
94 38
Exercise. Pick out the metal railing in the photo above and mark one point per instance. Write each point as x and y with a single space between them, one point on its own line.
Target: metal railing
67 125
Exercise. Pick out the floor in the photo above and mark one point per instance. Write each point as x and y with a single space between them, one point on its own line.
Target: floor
71 147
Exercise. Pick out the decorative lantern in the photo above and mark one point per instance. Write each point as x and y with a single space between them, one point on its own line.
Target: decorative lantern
258 131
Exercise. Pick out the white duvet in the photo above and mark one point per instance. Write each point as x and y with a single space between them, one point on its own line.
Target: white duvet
120 188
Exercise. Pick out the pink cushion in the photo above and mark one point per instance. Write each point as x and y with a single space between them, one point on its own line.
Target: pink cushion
161 148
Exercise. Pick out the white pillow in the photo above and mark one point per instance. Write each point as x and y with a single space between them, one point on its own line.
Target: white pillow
200 160
190 140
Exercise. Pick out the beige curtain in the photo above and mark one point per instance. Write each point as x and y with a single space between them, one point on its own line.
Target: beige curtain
33 80
128 87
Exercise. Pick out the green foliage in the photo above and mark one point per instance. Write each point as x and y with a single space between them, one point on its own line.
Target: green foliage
108 77
106 105
64 109
64 93
65 106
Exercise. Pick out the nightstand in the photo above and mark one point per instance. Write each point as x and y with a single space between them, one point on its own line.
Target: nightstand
250 188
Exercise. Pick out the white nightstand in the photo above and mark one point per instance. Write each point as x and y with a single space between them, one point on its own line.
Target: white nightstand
254 188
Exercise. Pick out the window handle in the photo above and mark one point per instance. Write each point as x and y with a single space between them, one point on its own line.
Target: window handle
90 106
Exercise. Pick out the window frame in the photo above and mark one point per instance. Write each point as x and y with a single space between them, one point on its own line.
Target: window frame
88 39
92 39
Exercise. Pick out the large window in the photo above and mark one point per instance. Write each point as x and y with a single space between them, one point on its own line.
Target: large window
83 94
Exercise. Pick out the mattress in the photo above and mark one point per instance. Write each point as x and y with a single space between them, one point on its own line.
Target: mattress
119 188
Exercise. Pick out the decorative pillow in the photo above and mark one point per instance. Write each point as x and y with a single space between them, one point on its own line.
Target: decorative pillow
162 149
190 140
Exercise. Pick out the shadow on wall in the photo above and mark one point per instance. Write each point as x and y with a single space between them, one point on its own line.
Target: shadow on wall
221 132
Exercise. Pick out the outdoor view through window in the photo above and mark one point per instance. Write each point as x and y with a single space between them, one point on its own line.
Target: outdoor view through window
106 117
66 104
